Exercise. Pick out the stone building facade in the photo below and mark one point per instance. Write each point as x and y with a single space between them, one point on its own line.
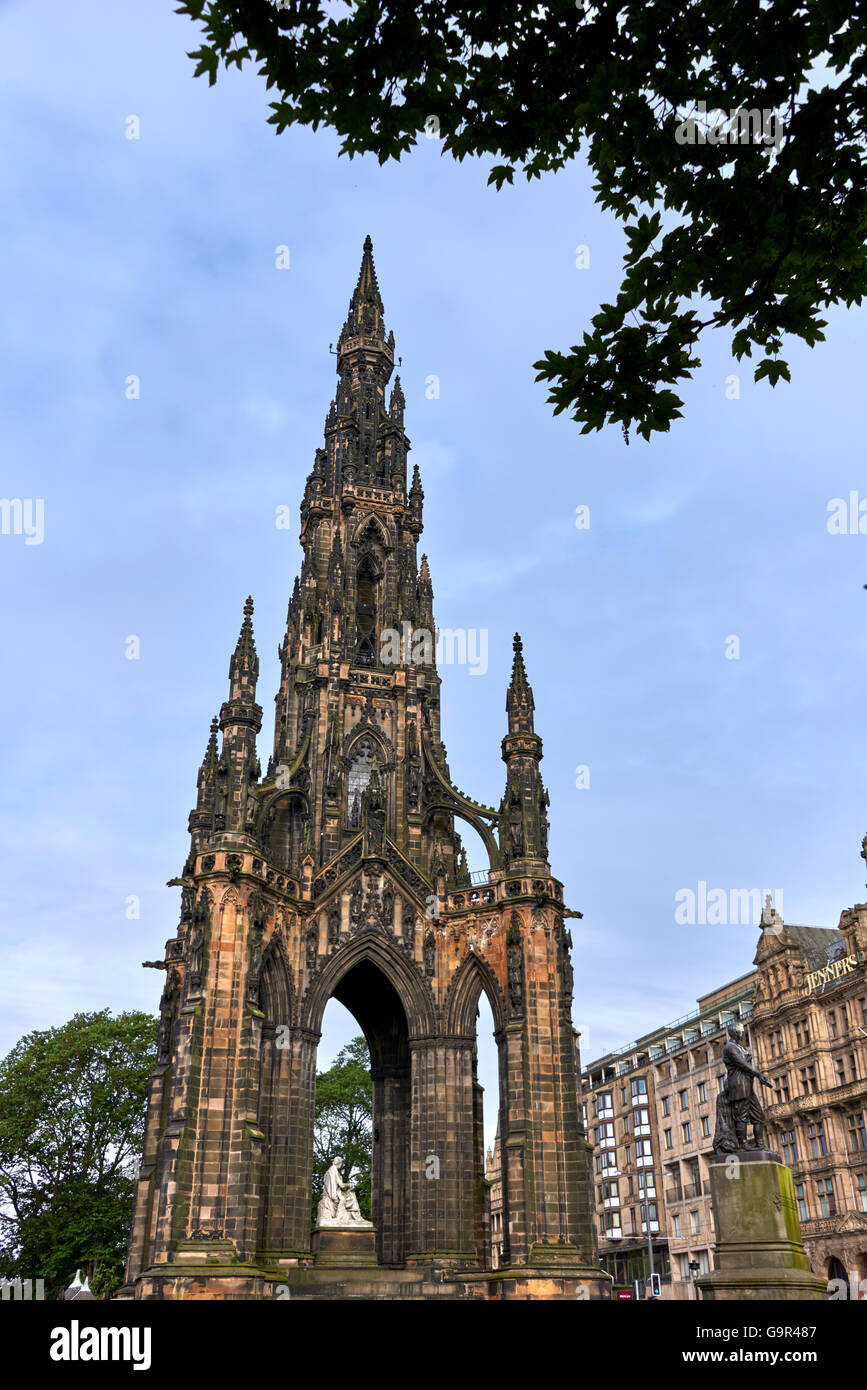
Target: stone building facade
805 1008
494 1178
649 1110
339 872
810 1037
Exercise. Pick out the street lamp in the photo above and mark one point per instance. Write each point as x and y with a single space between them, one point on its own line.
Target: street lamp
694 1268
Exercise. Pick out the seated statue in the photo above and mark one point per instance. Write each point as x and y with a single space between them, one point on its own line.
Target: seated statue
339 1204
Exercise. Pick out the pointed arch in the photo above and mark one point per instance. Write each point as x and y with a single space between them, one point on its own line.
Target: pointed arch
230 897
276 989
481 827
366 727
369 530
283 822
400 972
474 975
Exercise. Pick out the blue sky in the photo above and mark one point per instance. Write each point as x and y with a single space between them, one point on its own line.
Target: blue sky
156 257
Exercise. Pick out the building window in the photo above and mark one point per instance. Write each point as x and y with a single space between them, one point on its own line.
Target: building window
802 1033
863 1003
857 1132
639 1090
694 1178
775 1040
825 1190
643 1153
816 1135
687 1133
693 1216
702 1093
649 1213
781 1088
832 1023
802 1201
840 1068
808 1079
703 1262
667 1138
676 1221
684 1100
666 1107
360 772
790 1147
604 1105
862 1190
683 1266
646 1185
365 613
705 1127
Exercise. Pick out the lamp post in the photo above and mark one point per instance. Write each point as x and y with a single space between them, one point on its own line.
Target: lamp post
694 1268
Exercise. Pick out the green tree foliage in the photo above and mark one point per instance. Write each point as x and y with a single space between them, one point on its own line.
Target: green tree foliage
342 1125
756 235
72 1110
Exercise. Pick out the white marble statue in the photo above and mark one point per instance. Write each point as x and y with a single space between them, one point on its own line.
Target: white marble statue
339 1204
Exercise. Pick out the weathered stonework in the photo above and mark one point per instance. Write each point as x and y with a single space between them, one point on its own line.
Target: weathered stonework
340 874
759 1253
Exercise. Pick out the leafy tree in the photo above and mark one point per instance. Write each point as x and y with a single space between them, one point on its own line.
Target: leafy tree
755 228
72 1110
342 1124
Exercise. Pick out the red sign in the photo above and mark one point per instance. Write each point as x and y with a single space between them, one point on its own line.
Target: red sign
624 1296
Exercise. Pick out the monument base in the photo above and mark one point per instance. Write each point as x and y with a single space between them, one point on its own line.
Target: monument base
759 1253
348 1247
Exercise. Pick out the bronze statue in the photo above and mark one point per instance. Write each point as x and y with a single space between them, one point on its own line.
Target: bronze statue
737 1104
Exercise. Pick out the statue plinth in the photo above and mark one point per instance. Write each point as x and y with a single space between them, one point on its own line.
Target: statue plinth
350 1244
759 1252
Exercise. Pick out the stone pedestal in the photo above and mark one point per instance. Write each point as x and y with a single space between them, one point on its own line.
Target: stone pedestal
346 1247
759 1253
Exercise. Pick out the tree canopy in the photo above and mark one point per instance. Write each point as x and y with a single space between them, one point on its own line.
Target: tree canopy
727 136
72 1110
342 1123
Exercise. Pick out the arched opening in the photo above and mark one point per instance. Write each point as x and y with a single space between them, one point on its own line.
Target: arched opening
455 847
365 612
487 1081
477 1012
837 1269
343 1121
362 762
284 831
376 1007
475 852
